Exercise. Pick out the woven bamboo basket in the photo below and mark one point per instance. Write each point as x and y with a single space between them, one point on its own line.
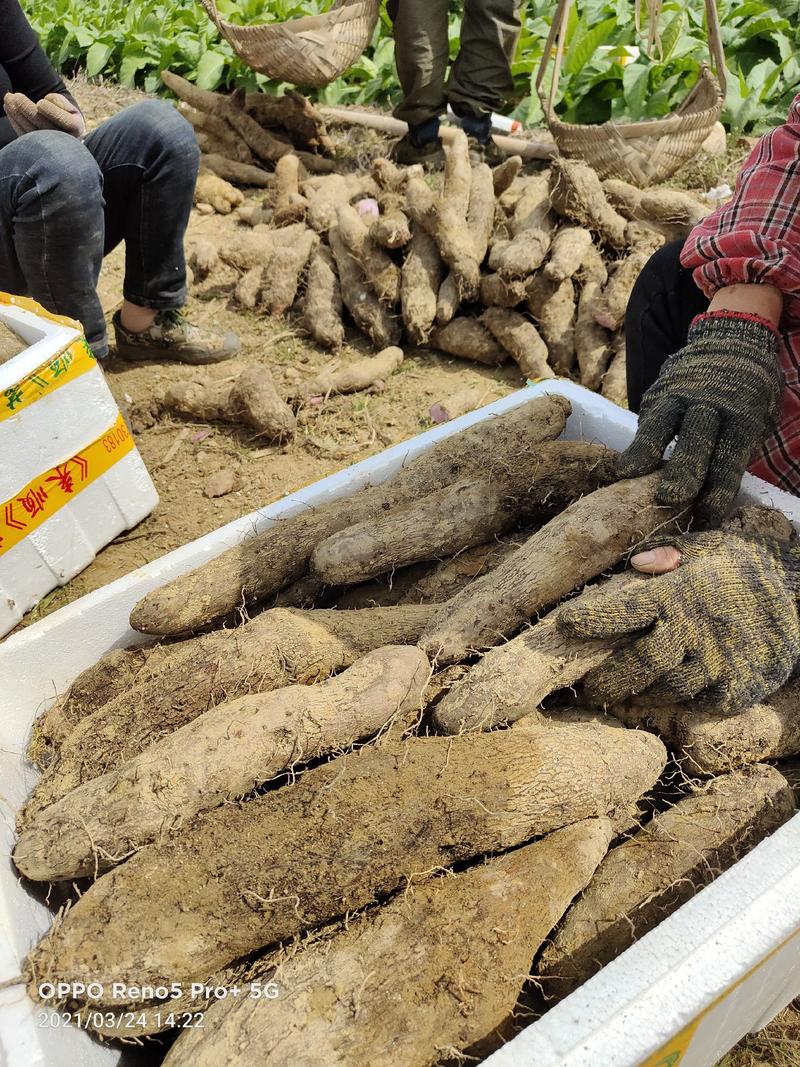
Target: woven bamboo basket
309 51
648 152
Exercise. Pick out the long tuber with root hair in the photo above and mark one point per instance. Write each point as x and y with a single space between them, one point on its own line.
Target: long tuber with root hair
251 399
221 755
331 842
469 511
415 944
608 523
279 554
659 868
281 647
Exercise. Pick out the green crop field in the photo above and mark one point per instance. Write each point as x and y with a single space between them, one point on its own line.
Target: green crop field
132 42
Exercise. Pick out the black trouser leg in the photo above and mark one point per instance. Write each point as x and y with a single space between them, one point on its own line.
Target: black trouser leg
663 303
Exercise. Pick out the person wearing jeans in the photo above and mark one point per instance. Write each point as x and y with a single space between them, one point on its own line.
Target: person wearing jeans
713 361
66 200
479 81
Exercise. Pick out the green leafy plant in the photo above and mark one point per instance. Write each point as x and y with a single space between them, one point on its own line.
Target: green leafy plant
606 72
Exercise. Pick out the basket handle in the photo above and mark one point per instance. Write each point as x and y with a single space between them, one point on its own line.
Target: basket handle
558 28
213 14
715 45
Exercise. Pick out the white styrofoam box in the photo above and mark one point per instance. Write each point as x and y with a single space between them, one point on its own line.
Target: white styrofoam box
47 432
724 963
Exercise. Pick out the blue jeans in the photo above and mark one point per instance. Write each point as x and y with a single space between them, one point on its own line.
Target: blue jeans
65 204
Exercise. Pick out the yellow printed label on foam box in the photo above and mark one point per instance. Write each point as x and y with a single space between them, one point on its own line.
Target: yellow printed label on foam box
671 1054
41 498
70 364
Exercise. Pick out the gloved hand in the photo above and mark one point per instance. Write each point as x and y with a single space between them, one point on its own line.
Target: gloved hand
723 627
54 112
721 395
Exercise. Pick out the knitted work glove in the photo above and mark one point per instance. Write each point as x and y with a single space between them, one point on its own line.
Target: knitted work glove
54 112
721 396
723 627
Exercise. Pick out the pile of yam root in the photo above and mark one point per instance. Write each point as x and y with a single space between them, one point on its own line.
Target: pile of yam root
489 265
380 787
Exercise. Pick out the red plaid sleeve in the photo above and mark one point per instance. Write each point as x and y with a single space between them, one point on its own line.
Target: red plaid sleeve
755 238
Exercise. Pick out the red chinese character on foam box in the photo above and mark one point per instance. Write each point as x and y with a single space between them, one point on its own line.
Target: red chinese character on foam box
34 501
63 478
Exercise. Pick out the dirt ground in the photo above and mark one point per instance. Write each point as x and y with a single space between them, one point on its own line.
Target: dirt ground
183 456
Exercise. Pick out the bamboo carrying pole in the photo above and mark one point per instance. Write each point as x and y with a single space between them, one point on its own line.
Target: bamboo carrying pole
513 146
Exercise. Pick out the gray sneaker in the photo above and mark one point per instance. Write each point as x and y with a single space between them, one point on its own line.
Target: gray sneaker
172 336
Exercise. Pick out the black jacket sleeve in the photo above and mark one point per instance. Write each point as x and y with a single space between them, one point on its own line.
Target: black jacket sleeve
24 68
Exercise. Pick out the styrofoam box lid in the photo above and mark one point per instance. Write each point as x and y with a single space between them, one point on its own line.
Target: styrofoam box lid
622 1015
43 337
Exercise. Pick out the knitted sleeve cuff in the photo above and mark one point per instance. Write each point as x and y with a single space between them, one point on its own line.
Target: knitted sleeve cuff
742 316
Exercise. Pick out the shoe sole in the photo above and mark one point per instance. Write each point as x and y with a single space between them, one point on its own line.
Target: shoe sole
196 357
432 161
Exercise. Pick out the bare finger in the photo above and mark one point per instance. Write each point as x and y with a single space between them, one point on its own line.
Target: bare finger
657 560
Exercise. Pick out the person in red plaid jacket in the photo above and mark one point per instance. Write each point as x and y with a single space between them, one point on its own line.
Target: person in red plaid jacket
713 361
727 301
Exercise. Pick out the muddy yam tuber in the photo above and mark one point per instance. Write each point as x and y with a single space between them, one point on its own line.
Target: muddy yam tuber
552 305
570 245
380 270
469 339
532 229
251 399
614 386
281 280
242 877
592 341
389 975
279 554
520 339
708 742
322 311
448 301
543 656
221 755
610 308
606 524
419 287
278 648
368 312
219 194
664 864
290 206
577 194
468 512
352 377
